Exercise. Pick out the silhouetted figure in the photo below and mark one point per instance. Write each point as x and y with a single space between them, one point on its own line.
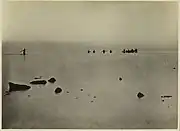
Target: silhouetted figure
132 50
103 51
23 51
127 51
135 51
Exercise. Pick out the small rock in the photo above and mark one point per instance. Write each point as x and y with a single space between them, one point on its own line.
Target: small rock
89 51
120 78
43 82
110 51
94 97
58 90
140 95
29 95
162 100
92 101
94 51
81 89
174 68
52 80
67 92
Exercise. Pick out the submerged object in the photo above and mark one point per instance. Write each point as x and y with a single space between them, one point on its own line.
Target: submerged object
37 82
52 80
166 96
129 51
58 90
38 77
17 87
140 95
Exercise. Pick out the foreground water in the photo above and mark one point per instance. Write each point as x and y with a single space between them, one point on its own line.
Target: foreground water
93 96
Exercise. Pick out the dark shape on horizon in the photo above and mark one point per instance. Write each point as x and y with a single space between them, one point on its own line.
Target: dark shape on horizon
120 78
52 80
23 51
94 51
166 96
58 90
129 51
135 51
17 87
103 51
132 50
140 95
43 82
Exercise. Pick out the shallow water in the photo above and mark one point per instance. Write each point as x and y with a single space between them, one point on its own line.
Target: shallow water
115 105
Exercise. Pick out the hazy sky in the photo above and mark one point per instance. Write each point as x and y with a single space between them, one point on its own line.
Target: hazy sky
128 22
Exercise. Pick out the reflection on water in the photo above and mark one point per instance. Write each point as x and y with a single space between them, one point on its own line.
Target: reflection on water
99 90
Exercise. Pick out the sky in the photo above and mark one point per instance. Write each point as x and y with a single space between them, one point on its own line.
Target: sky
96 22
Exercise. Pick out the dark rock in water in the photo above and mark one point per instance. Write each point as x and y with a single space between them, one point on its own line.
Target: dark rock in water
81 89
110 51
17 87
67 92
162 100
52 80
89 51
58 90
94 97
166 96
140 95
103 51
38 82
92 101
120 78
94 51
174 68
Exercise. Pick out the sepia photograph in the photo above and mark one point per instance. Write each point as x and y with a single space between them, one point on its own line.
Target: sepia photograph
90 65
